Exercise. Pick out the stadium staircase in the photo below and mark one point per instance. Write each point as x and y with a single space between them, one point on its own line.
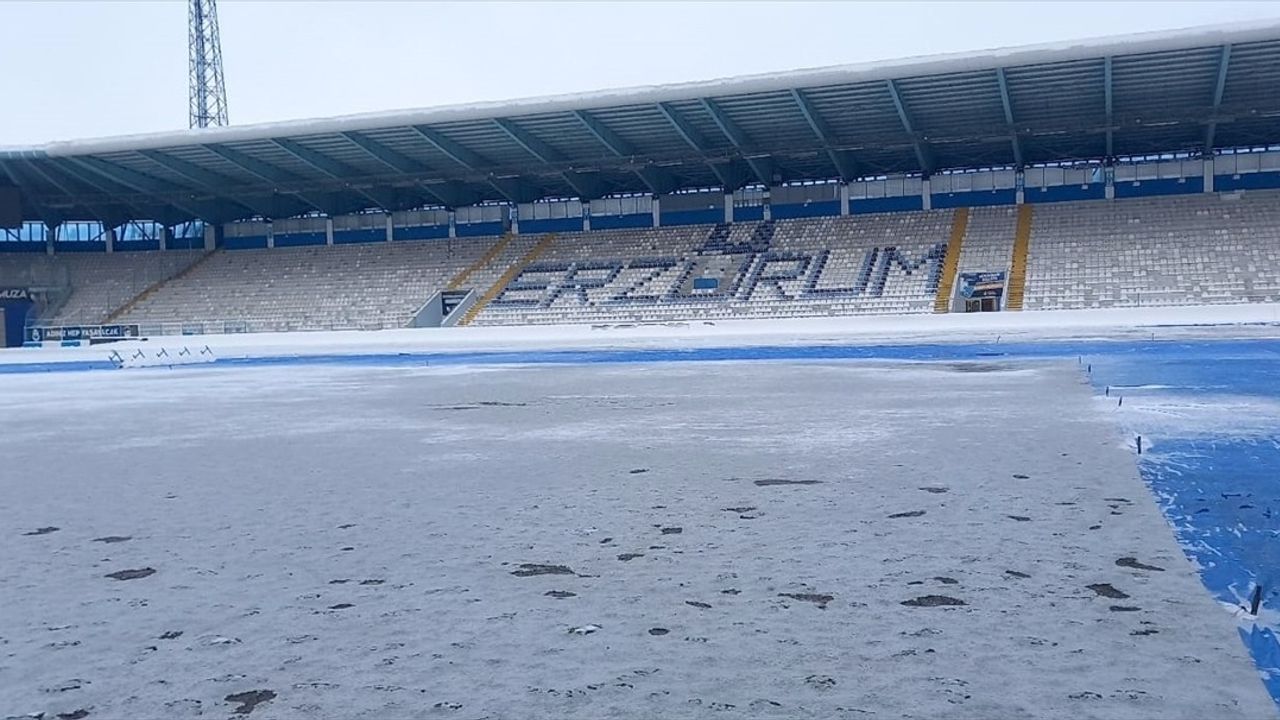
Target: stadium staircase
512 272
951 263
1016 290
461 278
156 286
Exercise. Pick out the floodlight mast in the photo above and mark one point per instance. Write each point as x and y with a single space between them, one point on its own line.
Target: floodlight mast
208 92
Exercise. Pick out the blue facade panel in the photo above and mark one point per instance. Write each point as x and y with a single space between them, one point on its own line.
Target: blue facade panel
15 321
1168 186
23 247
193 243
1065 193
620 222
299 239
1247 181
750 213
136 245
546 225
417 232
983 198
80 246
367 235
249 242
826 208
693 217
902 203
479 229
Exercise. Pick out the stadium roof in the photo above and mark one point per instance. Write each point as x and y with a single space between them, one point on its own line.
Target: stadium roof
1184 91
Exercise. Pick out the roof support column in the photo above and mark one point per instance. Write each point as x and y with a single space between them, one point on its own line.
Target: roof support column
926 195
1208 174
328 231
1008 116
922 154
109 236
1106 95
1224 61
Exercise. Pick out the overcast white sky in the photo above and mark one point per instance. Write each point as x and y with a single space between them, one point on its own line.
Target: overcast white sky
91 69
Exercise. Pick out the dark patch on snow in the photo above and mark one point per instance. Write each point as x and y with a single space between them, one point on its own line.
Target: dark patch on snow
697 604
1015 573
531 569
818 599
907 514
1145 631
341 606
558 594
1118 499
1124 608
935 490
372 581
1095 527
743 509
109 539
625 557
74 715
933 601
606 541
347 549
171 635
131 574
946 580
672 530
249 700
1019 518
658 631
42 531
781 481
1130 562
820 682
730 591
1107 591
1018 476
342 581
499 403
637 471
346 526
447 705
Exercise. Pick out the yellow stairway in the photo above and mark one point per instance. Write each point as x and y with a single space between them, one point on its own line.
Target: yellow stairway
1016 288
461 278
155 287
959 224
519 265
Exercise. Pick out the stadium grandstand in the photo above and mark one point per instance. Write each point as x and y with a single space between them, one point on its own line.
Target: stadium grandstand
1124 172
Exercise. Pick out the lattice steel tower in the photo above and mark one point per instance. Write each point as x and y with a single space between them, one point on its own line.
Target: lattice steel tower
208 105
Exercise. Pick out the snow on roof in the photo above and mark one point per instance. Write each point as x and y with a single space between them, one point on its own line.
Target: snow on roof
1055 52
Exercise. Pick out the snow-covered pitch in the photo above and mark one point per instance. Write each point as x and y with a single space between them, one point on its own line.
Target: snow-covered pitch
686 540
